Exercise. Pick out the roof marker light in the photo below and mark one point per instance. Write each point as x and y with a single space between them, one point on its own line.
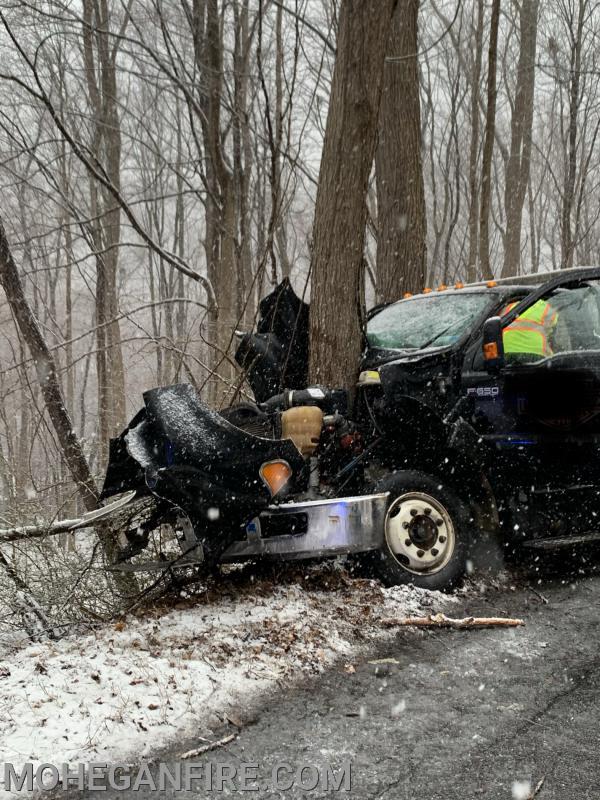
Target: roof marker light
459 285
491 284
427 290
407 294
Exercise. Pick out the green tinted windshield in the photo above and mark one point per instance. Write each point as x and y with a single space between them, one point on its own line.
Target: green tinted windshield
437 320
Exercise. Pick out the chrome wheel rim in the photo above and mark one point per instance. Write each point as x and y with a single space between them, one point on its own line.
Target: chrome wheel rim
419 533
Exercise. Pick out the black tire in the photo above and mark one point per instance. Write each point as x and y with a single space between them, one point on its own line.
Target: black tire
442 510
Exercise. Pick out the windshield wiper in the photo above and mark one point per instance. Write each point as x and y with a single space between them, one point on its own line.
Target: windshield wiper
444 332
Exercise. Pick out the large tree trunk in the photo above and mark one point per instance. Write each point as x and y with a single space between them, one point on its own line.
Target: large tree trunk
474 150
568 196
340 209
242 162
221 206
101 81
401 215
488 147
517 169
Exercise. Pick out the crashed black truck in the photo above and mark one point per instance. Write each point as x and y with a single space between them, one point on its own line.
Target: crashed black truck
448 438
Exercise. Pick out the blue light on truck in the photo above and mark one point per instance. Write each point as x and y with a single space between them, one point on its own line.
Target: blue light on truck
510 442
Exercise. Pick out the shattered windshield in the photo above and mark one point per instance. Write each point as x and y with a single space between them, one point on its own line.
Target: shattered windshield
433 321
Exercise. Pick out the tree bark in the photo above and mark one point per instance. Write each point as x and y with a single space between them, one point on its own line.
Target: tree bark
442 621
576 41
340 208
221 206
517 168
101 81
242 162
474 150
401 214
488 147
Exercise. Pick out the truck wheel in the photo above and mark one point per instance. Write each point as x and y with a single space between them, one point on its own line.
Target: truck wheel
426 533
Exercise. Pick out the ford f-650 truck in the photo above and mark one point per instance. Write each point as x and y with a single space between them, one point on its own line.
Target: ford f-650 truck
447 437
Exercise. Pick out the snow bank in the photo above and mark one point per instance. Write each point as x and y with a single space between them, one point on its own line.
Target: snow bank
130 688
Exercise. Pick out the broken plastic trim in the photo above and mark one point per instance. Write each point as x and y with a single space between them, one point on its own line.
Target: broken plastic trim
104 512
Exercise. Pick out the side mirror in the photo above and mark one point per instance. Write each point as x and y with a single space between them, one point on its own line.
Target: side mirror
493 347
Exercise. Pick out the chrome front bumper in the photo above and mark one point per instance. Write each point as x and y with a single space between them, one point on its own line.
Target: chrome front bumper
331 527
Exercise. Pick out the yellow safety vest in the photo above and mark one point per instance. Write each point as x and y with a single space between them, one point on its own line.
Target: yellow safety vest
529 332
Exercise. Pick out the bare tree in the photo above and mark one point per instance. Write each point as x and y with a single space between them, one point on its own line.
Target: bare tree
488 146
474 148
47 374
340 207
575 16
100 55
401 213
518 166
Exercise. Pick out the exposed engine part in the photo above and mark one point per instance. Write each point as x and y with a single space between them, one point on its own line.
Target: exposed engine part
248 417
303 425
330 401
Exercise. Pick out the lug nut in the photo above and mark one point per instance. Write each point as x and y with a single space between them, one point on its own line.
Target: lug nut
439 522
413 512
441 539
407 542
434 551
428 511
420 553
405 525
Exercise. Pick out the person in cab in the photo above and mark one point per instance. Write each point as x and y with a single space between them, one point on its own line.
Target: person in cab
529 336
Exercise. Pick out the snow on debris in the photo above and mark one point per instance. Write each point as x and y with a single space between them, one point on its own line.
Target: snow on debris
136 685
137 445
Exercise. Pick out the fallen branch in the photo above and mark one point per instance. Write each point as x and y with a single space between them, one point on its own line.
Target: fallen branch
207 747
37 531
89 519
442 621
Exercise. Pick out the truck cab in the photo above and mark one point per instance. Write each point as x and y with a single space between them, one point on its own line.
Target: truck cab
516 435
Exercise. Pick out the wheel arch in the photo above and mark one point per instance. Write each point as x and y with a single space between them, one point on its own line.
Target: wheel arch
466 478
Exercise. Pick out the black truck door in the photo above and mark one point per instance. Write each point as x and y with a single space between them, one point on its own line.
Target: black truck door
546 409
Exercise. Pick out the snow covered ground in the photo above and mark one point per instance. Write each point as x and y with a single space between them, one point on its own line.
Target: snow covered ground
132 687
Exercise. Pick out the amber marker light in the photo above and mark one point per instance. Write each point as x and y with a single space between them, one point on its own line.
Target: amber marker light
369 376
406 295
490 351
442 287
491 284
275 475
427 290
459 285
